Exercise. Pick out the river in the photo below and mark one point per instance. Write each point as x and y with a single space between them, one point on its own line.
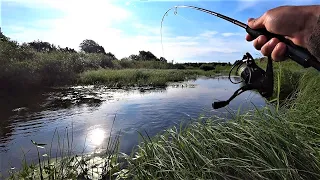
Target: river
89 113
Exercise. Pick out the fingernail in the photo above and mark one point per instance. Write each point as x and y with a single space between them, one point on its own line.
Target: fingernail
250 19
259 38
282 52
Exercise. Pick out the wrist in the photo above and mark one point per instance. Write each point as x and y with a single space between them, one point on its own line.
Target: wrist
312 19
313 38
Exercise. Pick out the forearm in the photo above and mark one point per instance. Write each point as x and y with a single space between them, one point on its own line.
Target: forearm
313 40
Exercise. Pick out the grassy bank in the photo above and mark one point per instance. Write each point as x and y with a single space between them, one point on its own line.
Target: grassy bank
141 77
279 142
261 144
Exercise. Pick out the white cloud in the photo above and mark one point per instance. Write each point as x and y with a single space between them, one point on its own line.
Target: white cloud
190 47
81 20
179 48
208 34
148 29
98 23
103 11
228 34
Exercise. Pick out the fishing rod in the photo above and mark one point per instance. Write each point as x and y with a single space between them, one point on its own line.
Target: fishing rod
297 53
253 77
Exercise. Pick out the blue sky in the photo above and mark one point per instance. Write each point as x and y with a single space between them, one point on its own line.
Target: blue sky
124 27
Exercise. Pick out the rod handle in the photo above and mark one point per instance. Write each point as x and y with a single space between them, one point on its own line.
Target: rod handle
297 53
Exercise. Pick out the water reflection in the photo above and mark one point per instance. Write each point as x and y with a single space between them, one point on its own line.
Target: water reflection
96 136
90 111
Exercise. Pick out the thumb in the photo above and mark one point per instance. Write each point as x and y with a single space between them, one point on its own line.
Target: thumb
256 23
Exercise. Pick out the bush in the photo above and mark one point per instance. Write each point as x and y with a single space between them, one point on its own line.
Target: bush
179 66
11 51
126 63
106 62
23 68
207 67
19 75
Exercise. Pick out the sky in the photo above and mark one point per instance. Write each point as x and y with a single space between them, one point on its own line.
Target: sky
125 27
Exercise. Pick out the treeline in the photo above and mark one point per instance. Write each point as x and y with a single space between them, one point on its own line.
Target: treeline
87 46
37 64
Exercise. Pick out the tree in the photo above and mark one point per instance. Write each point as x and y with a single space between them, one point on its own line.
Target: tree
134 57
111 56
162 59
41 46
67 49
146 56
90 46
3 37
207 67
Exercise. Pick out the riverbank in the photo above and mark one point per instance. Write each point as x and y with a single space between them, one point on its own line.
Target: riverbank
264 143
111 78
35 75
142 77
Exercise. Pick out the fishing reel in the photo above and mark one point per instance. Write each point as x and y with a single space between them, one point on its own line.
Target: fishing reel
253 78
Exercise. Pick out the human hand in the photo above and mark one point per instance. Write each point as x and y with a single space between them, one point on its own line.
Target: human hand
294 22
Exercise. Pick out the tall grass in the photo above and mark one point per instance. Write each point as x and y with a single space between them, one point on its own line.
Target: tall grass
139 77
64 163
131 64
253 147
262 144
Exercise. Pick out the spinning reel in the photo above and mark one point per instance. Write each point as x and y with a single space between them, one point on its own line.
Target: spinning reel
253 78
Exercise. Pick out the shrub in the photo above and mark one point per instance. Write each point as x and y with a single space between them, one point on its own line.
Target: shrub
207 67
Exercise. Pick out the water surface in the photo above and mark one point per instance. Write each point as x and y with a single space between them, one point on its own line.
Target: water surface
89 113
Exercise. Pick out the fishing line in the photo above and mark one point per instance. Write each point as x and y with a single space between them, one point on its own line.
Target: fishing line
175 13
196 23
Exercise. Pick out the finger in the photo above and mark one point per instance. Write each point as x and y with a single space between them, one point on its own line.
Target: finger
259 42
249 38
278 54
256 23
268 47
297 40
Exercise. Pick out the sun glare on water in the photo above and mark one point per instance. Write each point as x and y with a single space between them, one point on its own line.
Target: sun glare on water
96 136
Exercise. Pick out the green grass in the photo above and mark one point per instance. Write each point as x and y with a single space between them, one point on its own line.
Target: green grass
262 144
249 148
65 164
140 77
